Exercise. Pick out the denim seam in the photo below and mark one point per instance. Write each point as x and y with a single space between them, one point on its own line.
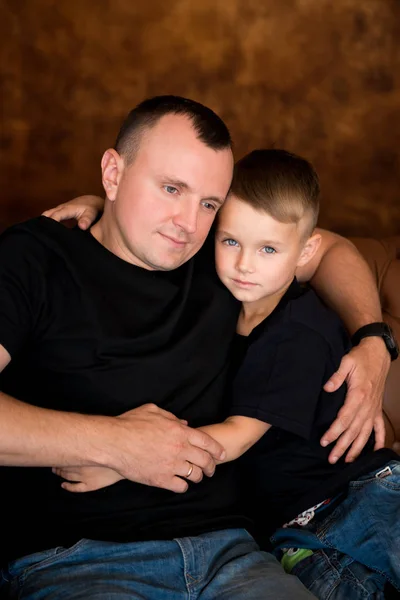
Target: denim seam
185 568
47 561
321 535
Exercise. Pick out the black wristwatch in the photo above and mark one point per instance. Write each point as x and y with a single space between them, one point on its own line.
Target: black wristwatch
382 330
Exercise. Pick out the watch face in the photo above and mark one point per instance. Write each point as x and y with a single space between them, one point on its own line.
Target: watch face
382 330
391 342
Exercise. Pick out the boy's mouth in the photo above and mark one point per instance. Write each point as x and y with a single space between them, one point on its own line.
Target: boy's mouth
243 284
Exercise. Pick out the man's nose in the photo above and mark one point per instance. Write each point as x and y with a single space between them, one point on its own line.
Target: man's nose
186 217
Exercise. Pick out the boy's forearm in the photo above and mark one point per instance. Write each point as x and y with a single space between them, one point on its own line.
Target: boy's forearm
225 434
237 435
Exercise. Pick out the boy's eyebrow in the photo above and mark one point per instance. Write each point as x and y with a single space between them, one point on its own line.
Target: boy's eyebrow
226 233
186 186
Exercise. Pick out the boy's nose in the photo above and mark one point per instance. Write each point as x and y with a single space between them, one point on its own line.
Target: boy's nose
244 265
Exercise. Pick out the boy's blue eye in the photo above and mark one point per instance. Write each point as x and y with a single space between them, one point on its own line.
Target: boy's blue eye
269 250
230 242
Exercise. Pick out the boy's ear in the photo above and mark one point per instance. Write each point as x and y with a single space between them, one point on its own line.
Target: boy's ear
309 249
112 166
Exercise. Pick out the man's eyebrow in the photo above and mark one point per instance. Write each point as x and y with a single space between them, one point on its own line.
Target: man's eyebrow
185 186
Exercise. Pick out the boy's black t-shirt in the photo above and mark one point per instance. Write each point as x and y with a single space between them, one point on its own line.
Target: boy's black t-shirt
91 333
285 362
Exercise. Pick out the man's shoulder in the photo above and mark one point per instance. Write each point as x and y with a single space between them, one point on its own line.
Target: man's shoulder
39 236
33 231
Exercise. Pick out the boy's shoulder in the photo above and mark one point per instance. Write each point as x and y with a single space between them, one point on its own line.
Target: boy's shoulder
301 317
305 311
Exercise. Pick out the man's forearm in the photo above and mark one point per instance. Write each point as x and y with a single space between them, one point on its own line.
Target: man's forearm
345 282
32 436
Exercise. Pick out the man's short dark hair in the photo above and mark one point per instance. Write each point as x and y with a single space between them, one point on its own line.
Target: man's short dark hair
210 128
282 184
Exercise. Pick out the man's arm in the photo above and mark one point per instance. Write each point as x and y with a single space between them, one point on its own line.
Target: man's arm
148 445
343 279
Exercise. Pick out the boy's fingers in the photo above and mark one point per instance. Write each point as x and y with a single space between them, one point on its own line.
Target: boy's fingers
74 487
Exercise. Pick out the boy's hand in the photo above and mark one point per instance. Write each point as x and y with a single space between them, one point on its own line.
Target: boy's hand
86 479
365 369
83 209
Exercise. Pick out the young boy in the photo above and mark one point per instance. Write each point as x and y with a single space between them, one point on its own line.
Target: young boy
344 518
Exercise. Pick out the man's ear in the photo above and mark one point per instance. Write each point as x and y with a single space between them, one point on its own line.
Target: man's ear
112 166
309 249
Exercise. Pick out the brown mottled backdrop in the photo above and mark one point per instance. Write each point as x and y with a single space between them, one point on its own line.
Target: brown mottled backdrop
318 77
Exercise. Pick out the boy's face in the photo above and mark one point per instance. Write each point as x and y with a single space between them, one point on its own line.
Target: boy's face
256 256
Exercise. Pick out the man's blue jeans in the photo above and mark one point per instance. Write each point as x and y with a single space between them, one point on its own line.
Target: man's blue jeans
223 565
357 546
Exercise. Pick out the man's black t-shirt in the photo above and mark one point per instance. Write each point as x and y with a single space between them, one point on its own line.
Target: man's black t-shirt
286 360
91 333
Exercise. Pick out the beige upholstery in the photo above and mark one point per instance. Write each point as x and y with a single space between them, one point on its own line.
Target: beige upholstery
383 256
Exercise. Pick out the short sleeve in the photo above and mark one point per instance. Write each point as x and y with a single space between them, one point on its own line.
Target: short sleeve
21 288
281 378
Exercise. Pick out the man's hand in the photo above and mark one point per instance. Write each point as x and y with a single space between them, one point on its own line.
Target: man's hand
151 446
365 369
83 209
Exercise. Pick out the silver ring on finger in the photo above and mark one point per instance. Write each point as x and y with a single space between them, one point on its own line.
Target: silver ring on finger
189 471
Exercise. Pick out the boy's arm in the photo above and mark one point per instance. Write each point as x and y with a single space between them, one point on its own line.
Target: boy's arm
236 434
83 209
343 279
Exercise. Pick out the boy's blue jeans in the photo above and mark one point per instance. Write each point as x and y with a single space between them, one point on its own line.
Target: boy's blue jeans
357 546
226 564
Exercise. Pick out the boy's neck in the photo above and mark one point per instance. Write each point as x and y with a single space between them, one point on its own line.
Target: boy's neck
254 313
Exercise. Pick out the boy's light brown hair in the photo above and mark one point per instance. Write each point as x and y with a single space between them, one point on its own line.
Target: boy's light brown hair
283 185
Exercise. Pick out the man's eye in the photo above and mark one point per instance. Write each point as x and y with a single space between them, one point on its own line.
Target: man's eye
230 242
170 189
209 206
269 250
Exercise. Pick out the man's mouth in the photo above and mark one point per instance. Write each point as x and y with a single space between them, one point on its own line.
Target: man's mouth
177 243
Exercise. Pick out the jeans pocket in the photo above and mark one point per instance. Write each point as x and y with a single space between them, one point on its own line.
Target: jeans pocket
390 481
23 567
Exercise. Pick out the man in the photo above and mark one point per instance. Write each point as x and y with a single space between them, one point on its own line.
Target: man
111 340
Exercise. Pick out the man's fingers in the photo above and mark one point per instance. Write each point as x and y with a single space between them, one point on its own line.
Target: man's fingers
201 439
339 425
190 472
359 442
201 459
340 375
357 427
380 432
177 485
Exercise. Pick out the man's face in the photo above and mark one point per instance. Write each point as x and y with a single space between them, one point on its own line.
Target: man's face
256 256
167 198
